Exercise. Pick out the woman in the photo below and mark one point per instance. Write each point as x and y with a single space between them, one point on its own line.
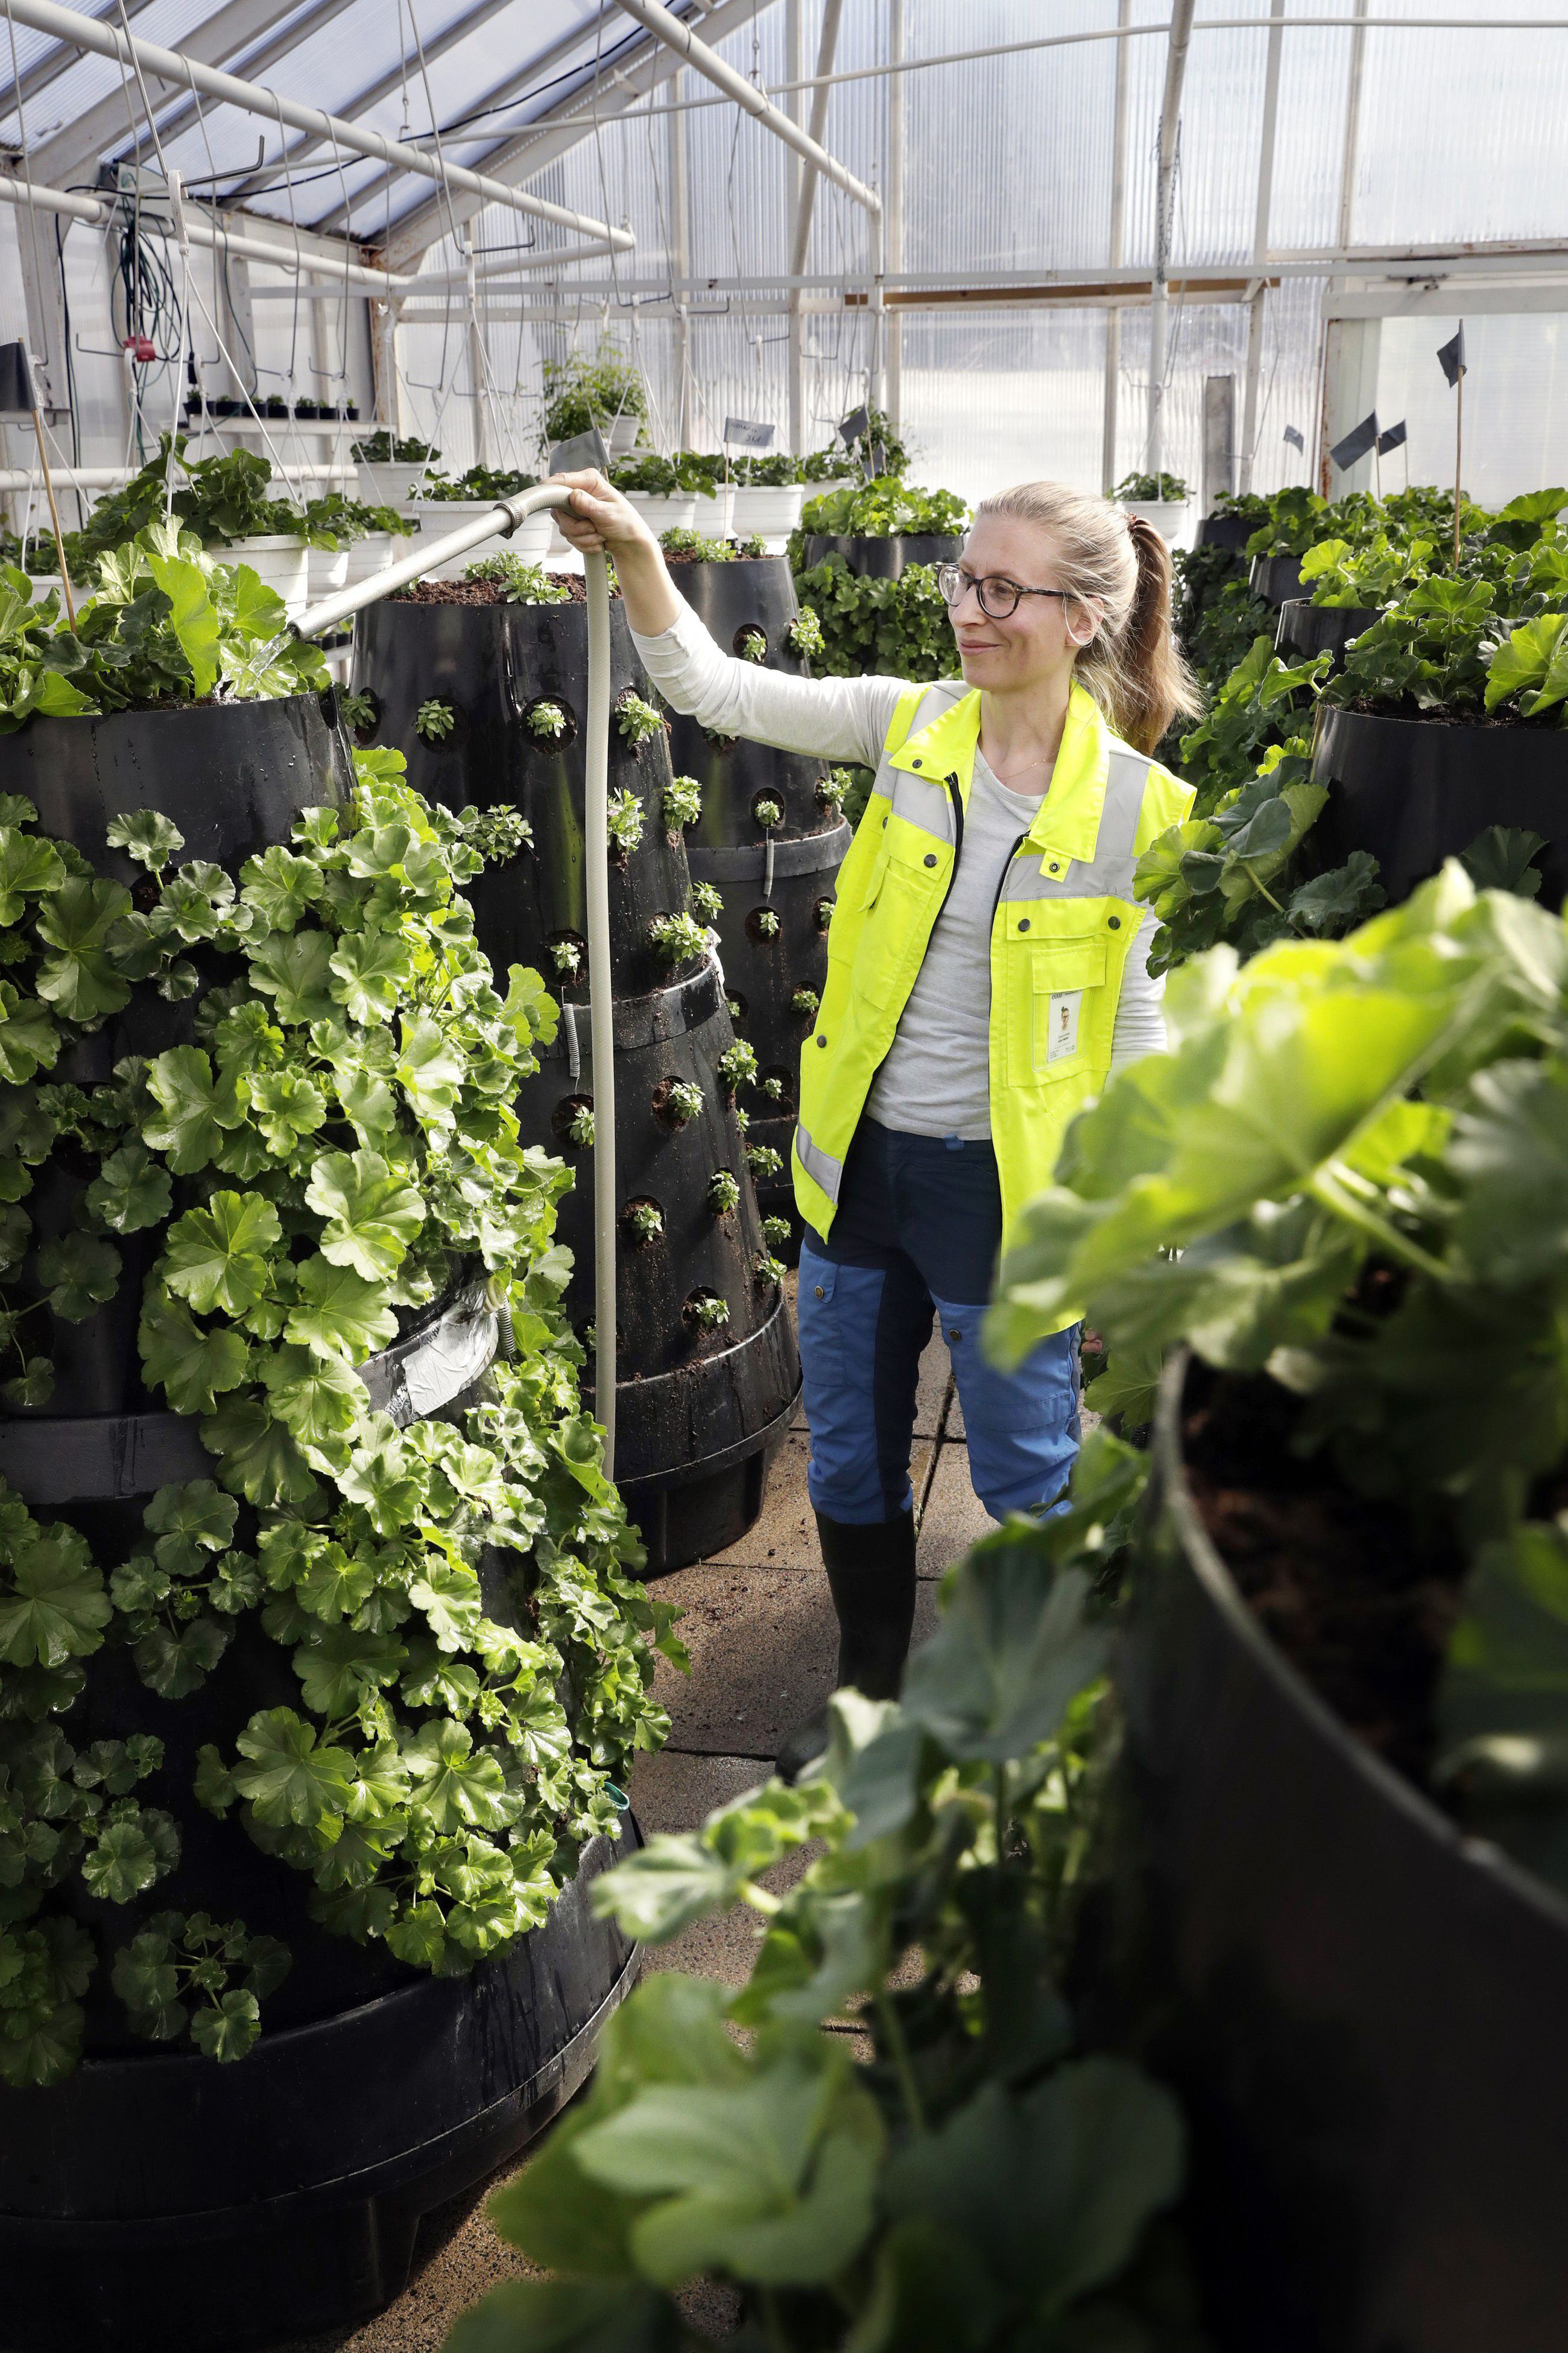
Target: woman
988 971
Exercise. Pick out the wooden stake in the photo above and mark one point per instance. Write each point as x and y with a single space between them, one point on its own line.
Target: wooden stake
55 518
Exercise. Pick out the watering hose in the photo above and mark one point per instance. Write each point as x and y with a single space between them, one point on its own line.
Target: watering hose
500 523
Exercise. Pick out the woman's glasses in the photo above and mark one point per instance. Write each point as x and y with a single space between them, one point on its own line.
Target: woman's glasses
997 597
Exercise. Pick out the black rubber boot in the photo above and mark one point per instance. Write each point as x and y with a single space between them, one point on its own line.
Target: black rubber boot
872 1576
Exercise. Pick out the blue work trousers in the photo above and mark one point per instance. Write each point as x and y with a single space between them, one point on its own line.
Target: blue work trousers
917 1232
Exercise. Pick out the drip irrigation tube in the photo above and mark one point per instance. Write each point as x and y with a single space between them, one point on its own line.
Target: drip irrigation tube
500 521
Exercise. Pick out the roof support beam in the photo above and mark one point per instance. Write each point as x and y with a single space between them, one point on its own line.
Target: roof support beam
497 95
171 125
181 72
560 128
72 152
17 95
678 36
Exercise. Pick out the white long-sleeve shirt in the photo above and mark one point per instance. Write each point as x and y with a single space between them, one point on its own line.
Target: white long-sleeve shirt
935 1079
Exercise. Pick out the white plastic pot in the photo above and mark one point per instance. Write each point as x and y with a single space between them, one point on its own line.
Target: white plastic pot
620 438
371 553
43 581
437 517
677 513
768 511
279 561
716 515
1172 518
329 571
386 485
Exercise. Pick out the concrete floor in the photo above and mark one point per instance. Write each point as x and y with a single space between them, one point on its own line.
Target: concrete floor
760 1628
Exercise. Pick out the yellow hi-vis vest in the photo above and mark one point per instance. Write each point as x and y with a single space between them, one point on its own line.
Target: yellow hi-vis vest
1064 919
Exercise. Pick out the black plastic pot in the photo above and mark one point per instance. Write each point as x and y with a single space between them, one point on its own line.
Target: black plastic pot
232 777
886 557
1276 579
699 1415
160 2201
1307 629
1362 2008
1413 791
728 849
1232 531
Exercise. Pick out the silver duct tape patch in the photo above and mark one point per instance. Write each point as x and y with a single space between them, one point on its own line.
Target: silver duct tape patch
438 1365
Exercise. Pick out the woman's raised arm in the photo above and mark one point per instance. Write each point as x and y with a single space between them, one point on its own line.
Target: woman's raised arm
830 718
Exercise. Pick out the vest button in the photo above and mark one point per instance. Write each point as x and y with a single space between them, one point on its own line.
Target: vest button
931 857
820 1293
822 1041
1023 922
1115 923
916 763
1055 868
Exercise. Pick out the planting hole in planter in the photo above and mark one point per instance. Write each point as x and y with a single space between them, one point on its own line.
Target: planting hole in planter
568 959
822 914
763 925
777 1089
676 1102
746 640
539 718
573 1122
705 1314
737 1005
642 1221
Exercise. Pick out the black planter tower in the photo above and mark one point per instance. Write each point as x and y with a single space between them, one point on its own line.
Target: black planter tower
776 882
151 2198
707 1371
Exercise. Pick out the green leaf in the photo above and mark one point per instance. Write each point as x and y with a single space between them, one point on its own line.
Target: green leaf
372 1212
193 619
280 887
147 836
340 1313
774 2182
1013 1650
430 1072
317 1397
1500 858
220 1257
569 2316
121 1861
197 1109
29 1040
226 2030
297 973
286 1776
77 979
190 1520
81 1272
28 869
1524 663
450 1786
286 1106
372 973
258 1459
131 1191
193 1367
59 1607
175 1665
338 1667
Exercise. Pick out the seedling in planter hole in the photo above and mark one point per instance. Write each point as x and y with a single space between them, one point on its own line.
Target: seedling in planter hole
735 1009
547 721
763 1161
567 958
676 939
805 1002
775 1231
643 1220
580 1127
433 722
803 634
772 1088
359 713
767 1269
707 1311
822 915
706 902
737 1067
682 801
743 1119
765 923
832 788
682 1103
768 813
624 821
637 721
754 646
723 1191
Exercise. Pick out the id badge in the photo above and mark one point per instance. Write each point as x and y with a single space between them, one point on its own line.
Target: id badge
1064 1018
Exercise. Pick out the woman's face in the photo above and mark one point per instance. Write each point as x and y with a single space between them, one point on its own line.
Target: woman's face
1037 644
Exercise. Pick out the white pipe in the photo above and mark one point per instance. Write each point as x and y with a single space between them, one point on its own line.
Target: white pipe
1164 196
601 1013
115 478
678 36
182 72
1260 243
1112 400
501 522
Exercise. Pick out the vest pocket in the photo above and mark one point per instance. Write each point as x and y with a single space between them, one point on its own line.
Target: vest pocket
894 919
1054 1009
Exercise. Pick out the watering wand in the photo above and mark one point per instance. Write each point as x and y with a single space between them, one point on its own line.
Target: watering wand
500 521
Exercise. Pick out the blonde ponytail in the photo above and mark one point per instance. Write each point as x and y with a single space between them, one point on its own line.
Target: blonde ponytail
1118 568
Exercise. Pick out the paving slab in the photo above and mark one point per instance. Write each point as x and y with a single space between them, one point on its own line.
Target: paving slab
785 1535
954 1516
675 1790
764 1647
